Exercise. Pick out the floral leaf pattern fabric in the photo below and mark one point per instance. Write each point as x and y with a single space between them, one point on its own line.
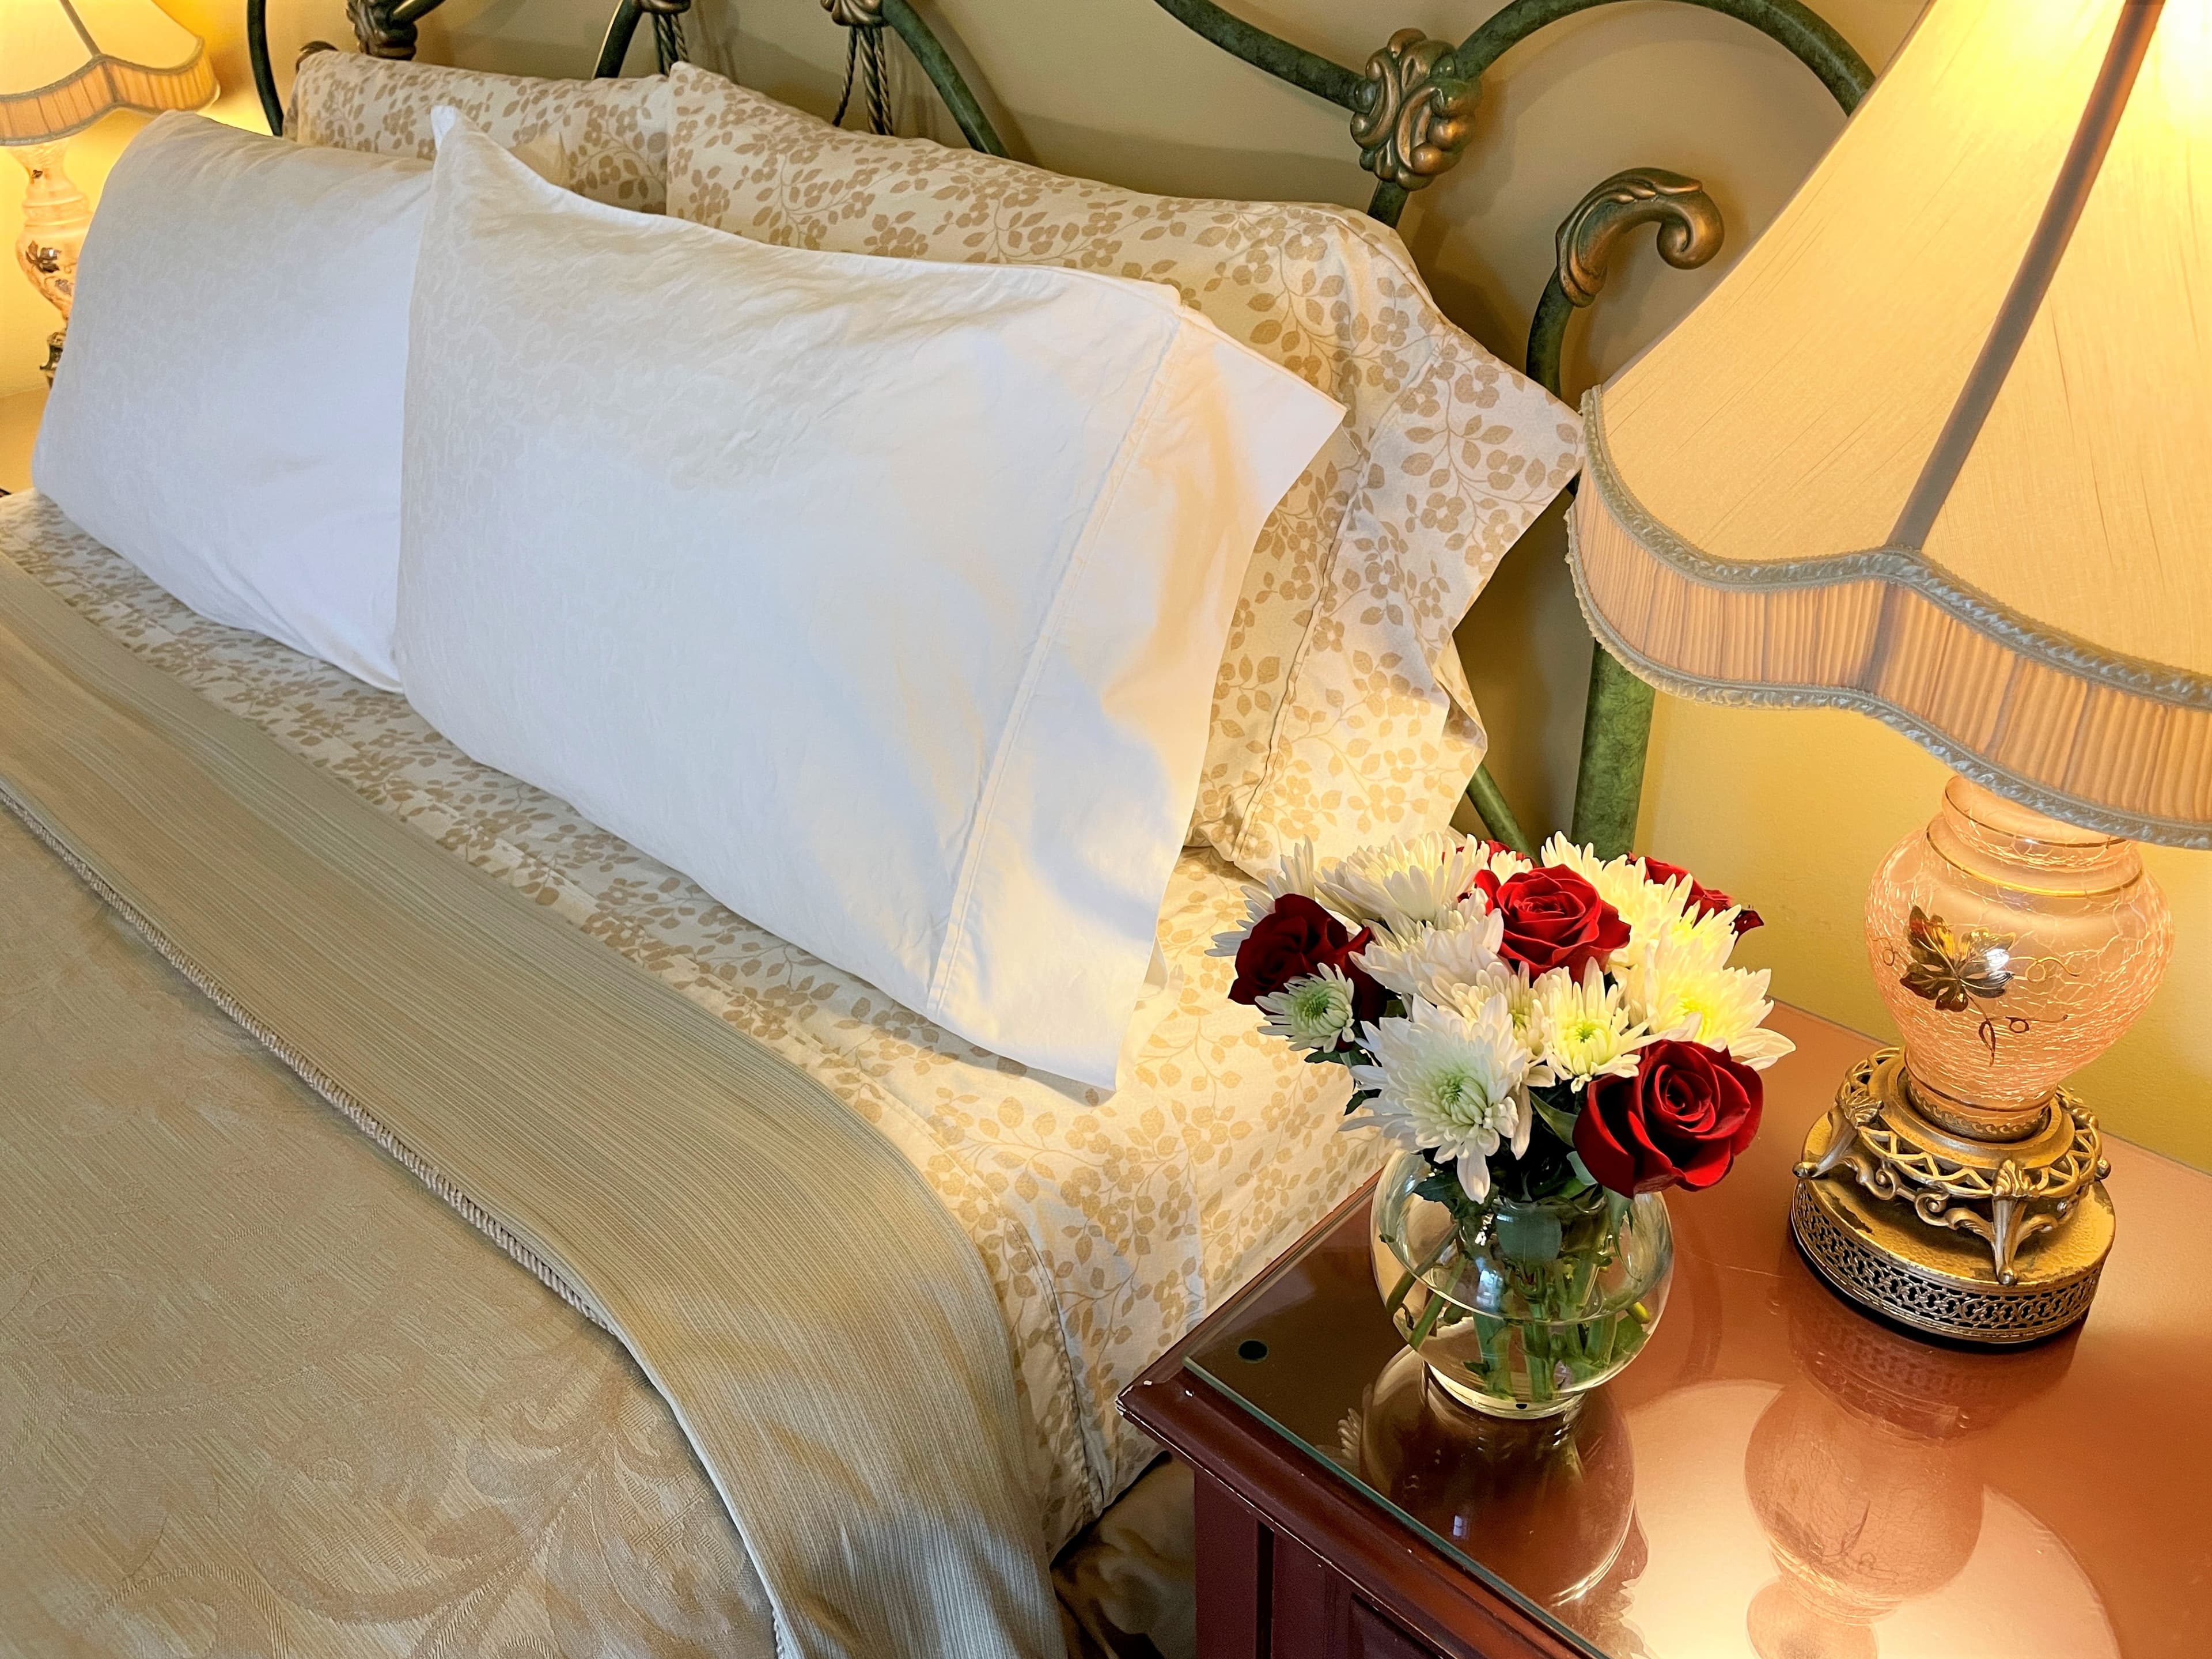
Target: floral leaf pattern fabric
1341 713
1109 1222
613 135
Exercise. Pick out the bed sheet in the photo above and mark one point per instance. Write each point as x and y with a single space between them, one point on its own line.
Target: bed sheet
1108 1221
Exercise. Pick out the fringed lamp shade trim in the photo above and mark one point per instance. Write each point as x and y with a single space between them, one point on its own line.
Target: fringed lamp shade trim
102 86
1939 447
67 63
2109 743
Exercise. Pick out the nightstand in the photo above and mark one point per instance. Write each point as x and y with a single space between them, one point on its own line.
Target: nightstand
19 430
1779 1476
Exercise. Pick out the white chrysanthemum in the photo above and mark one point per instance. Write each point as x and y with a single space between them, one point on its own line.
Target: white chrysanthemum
1402 886
1655 910
1508 980
1687 937
1681 988
1618 881
1452 1084
1581 1031
1502 861
1297 872
1313 1012
1456 951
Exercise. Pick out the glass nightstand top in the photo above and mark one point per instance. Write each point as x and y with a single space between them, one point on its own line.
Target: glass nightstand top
1777 1475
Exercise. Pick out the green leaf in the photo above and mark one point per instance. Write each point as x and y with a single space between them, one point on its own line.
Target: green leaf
1527 1238
1427 1321
1439 1187
1560 1123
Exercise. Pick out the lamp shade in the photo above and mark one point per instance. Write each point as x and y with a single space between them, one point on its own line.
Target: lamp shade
1940 447
64 63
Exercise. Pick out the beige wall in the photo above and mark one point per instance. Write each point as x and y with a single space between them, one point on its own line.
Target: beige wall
1791 811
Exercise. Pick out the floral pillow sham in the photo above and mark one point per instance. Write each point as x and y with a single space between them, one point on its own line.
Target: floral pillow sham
613 134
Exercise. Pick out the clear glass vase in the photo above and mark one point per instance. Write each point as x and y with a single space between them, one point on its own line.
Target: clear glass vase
1519 1308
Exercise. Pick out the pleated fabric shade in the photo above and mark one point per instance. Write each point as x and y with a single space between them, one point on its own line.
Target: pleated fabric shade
64 63
1940 447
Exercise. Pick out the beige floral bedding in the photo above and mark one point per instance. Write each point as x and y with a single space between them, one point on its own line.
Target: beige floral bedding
1108 1223
612 134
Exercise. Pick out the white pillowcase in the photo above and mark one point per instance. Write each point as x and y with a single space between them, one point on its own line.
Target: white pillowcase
882 598
226 413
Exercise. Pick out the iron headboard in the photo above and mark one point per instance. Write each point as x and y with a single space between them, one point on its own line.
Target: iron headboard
1411 113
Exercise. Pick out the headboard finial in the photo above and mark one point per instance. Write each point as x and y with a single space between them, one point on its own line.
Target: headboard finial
382 32
1413 114
1690 229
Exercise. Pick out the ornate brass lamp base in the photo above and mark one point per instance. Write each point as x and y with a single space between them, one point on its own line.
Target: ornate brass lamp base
1988 1242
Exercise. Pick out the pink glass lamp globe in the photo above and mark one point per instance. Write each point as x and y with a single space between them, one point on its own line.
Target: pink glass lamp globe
2012 950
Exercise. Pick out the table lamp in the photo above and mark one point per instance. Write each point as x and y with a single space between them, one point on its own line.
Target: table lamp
1939 448
64 63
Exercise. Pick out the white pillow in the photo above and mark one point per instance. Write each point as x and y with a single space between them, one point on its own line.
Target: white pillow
882 598
226 413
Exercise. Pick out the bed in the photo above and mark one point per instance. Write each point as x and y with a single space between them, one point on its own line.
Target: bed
1109 1223
266 1384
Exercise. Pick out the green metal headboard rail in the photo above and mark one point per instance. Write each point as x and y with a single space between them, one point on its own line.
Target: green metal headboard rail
1412 115
1412 111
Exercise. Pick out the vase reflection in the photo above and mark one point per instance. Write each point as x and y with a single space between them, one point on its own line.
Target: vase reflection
1865 1471
1546 1506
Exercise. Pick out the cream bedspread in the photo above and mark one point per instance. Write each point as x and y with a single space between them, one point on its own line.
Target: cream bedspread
647 1161
261 1394
1107 1223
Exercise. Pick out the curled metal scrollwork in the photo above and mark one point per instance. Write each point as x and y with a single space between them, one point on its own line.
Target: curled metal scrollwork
381 30
664 7
1413 113
854 14
1690 229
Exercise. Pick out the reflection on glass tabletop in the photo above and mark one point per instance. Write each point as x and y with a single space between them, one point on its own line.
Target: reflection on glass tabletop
1778 1475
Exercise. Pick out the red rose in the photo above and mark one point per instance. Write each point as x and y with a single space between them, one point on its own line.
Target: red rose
1704 900
1679 1121
1553 918
1368 997
1296 938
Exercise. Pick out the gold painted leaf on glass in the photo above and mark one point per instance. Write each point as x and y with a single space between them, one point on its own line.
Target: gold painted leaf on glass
1950 968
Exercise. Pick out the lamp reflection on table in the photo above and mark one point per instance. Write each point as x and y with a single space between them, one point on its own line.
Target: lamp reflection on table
1548 1506
1866 1473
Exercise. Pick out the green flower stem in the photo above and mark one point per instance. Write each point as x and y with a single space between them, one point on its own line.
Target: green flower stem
1426 1324
1552 1341
1405 1284
1487 1331
1578 1279
1537 1350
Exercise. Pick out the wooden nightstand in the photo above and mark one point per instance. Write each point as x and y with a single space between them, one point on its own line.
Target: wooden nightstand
19 430
1779 1476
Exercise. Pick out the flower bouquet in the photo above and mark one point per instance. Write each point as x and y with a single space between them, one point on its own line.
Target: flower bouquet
1549 1045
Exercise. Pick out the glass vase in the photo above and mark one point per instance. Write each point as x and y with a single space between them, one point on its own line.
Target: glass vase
1519 1308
